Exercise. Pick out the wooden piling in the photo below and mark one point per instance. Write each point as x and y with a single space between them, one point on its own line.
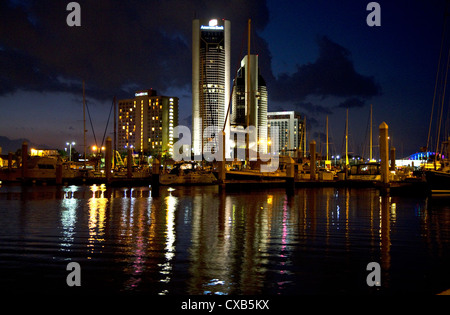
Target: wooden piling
24 160
108 159
155 177
290 177
10 159
312 150
392 155
221 163
129 163
384 153
59 173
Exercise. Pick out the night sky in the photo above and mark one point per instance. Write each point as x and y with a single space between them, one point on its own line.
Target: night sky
317 57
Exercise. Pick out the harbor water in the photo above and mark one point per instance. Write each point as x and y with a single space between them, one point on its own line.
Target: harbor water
204 240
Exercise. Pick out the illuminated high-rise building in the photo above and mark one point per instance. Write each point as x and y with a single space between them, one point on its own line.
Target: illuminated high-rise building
210 81
253 94
146 122
291 131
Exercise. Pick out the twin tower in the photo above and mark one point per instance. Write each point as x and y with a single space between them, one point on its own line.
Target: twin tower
211 89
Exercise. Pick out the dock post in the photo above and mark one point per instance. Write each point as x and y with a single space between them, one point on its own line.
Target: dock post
24 160
59 172
290 177
108 159
10 156
312 150
129 163
384 153
392 155
221 163
448 148
155 177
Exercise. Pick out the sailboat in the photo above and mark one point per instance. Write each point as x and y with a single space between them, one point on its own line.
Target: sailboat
438 181
369 172
187 173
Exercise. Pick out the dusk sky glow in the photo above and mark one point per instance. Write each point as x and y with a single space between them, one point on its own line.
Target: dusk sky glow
317 57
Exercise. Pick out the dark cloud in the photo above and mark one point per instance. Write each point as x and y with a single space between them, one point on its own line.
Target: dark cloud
123 46
313 108
120 44
332 74
351 103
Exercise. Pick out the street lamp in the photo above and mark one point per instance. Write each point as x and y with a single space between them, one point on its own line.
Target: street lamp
70 144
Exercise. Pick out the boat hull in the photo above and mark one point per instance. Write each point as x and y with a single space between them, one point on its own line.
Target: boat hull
192 178
438 182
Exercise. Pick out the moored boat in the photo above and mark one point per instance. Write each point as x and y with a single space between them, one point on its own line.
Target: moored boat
438 181
187 174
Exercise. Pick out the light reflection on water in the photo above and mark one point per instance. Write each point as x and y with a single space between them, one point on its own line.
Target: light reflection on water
201 240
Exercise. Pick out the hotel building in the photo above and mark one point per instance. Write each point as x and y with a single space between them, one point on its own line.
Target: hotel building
210 81
146 122
291 131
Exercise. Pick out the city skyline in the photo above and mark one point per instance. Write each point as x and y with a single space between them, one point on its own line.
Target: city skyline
317 58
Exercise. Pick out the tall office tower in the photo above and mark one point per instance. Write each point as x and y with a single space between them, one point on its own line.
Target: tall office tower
210 82
291 131
255 94
146 122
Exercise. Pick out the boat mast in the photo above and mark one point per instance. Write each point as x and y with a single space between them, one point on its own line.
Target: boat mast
370 137
346 141
327 137
304 136
248 92
440 113
115 133
84 127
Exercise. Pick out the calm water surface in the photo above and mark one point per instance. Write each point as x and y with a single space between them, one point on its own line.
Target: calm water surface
199 240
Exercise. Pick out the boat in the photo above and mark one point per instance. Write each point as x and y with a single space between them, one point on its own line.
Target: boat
187 173
367 173
438 182
39 169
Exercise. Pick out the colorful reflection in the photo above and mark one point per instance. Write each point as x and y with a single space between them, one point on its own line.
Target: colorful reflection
202 240
69 206
97 215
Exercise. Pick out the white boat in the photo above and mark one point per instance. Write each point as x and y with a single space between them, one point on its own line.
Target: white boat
187 174
368 172
39 169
